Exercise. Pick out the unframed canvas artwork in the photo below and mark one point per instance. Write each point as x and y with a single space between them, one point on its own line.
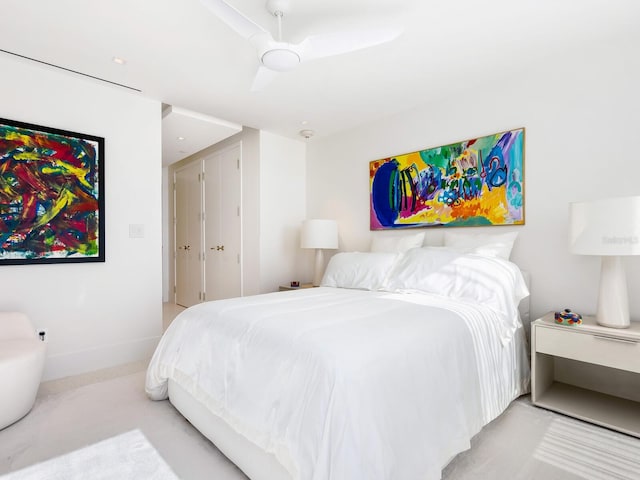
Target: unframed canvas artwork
51 195
471 183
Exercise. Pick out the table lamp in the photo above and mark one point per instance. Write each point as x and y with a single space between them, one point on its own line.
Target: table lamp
319 234
609 228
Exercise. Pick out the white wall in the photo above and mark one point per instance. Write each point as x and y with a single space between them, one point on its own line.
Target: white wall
167 240
97 314
282 210
250 167
580 110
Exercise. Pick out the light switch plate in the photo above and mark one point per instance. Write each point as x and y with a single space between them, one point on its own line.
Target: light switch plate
136 230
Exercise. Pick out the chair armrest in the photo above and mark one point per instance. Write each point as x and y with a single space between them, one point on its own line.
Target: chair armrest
15 325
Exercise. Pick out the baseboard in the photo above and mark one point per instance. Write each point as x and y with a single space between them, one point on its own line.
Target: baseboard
76 363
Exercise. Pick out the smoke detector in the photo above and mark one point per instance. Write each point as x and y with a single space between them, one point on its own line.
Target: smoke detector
306 133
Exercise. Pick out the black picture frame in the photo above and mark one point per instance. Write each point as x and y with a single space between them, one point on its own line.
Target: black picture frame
52 195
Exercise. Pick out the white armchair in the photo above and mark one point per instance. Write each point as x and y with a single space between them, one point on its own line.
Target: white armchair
21 364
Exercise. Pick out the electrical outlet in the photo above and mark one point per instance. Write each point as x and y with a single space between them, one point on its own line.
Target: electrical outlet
43 334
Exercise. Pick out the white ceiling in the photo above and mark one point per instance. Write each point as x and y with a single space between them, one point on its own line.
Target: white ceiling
179 53
185 132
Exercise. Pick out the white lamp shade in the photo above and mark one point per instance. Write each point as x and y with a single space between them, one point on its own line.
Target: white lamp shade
319 234
605 227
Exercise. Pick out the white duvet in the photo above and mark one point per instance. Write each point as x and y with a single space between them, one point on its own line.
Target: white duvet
346 384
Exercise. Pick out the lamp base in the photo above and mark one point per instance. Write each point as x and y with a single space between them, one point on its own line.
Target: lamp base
613 302
318 269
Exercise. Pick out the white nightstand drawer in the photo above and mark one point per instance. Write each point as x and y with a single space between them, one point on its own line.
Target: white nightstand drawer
589 347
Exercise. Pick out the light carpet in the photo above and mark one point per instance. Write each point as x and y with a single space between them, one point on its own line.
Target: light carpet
591 452
524 443
125 457
527 443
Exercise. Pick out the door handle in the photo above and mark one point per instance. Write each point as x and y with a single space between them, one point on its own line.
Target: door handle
217 248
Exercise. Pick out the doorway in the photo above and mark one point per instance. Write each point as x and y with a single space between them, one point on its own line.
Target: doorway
187 234
223 226
208 228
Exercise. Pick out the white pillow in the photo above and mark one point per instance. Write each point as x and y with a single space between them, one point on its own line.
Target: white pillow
397 244
366 271
490 281
489 244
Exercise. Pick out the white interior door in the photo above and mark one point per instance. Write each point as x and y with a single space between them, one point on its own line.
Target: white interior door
223 226
188 235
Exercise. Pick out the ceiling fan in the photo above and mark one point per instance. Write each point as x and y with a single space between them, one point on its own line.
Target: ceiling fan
278 56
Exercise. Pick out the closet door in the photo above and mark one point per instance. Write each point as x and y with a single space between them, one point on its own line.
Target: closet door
188 235
223 226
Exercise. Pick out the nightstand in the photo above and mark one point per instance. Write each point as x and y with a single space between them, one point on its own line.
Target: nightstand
284 288
588 372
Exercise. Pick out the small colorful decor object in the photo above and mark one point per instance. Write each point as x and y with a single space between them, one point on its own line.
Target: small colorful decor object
567 317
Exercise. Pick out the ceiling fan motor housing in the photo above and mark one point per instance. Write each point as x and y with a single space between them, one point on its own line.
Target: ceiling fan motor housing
280 59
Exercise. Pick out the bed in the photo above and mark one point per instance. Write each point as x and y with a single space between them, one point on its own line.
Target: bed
384 372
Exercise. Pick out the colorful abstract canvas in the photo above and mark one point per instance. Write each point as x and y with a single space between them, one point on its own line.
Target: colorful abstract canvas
51 195
471 183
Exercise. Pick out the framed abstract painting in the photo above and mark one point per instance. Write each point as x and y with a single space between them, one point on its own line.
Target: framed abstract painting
51 195
471 183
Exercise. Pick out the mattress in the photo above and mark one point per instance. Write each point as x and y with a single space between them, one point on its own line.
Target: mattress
336 383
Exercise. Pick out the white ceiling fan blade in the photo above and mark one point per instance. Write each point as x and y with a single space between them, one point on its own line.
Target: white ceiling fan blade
234 18
329 44
264 76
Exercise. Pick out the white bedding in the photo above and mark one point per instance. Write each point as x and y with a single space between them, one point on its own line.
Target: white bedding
345 384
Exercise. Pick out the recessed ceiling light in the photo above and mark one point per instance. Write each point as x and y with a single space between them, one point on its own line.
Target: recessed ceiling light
180 138
304 122
119 60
